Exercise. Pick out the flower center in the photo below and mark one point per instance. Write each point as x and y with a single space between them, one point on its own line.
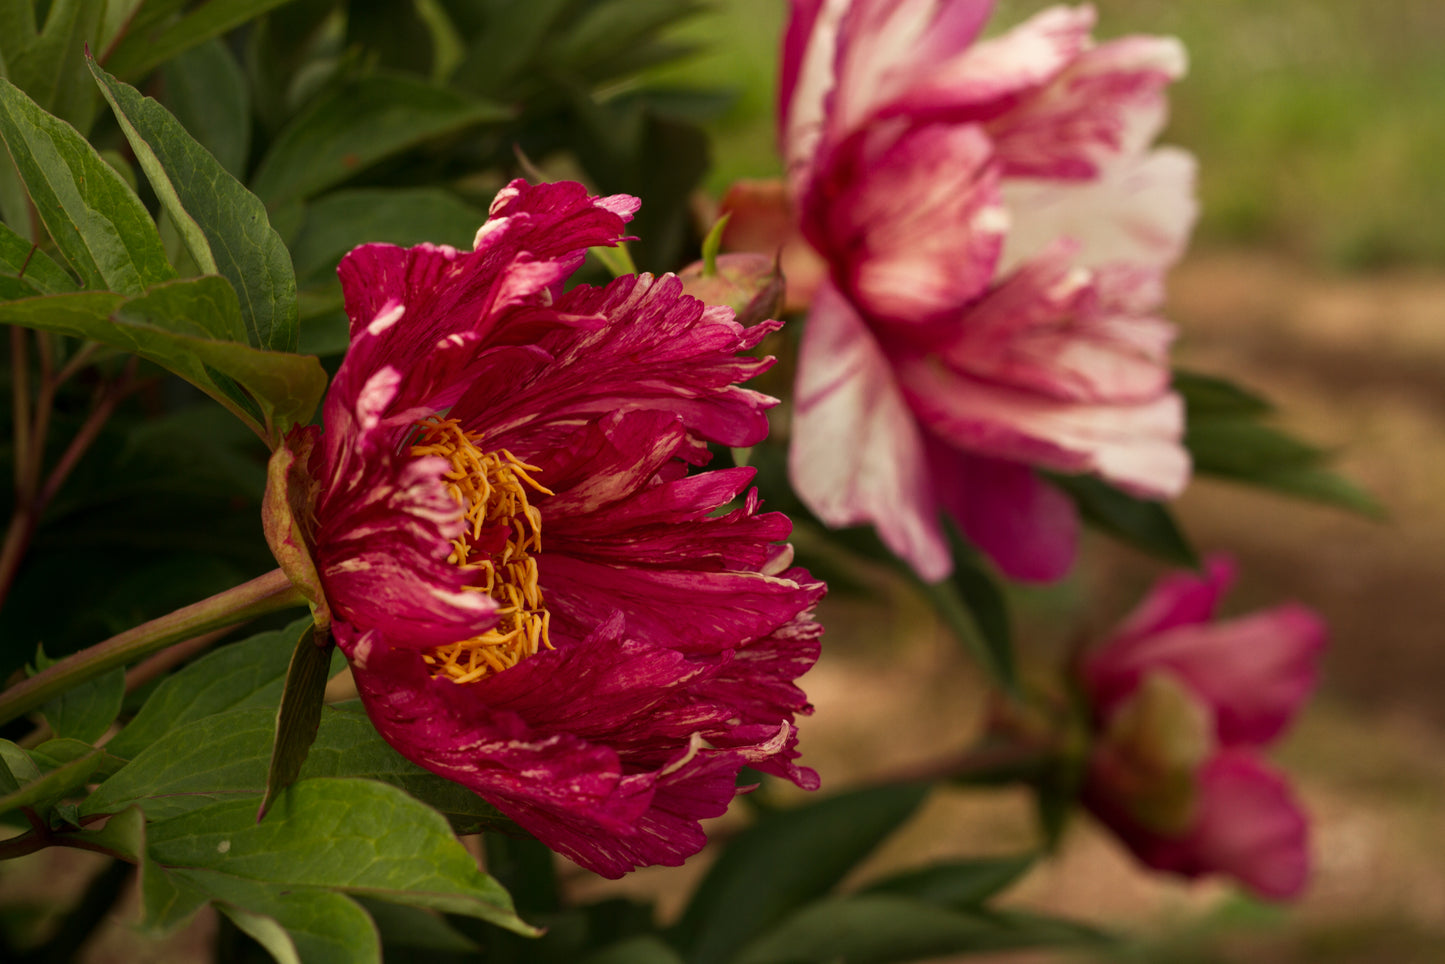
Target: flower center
503 535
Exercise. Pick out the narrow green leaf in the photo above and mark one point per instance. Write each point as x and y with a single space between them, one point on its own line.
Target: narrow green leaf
785 860
299 717
155 37
961 885
86 712
356 836
320 926
206 90
19 769
338 222
17 29
1211 395
53 785
96 221
177 326
614 25
51 69
17 255
505 43
225 756
1244 450
414 927
168 900
1146 525
243 675
266 931
882 929
224 225
355 126
972 603
647 949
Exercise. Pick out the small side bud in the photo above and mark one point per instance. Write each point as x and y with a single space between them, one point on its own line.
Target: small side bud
750 284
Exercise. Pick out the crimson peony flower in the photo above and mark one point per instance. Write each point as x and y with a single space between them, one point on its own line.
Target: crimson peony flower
537 599
1183 706
988 233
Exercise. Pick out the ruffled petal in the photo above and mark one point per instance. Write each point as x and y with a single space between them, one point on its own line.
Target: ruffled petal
1255 672
989 79
595 748
1250 827
857 455
1051 330
1107 102
910 219
660 349
1135 446
1139 212
1178 599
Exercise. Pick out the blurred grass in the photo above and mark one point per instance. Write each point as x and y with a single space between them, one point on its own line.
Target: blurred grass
1319 124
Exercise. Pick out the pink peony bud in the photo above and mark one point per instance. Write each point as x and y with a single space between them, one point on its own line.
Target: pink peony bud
750 284
1181 707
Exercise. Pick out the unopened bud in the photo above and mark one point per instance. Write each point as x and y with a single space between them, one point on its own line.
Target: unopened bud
1152 750
749 283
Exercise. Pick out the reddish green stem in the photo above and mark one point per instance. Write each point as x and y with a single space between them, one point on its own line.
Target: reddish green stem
264 594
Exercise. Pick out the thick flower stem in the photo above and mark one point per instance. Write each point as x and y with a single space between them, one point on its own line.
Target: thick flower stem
264 594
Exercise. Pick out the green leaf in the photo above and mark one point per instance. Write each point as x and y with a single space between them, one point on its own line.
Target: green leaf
338 222
225 756
647 949
972 604
393 33
785 860
881 929
95 219
17 29
1143 524
1211 395
206 90
168 900
243 675
319 926
156 36
960 885
413 927
613 25
87 711
266 931
299 717
1243 450
44 790
356 836
18 769
51 68
358 124
189 327
224 225
122 835
219 757
17 254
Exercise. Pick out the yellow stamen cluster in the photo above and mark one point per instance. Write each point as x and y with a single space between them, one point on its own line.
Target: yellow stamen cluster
491 488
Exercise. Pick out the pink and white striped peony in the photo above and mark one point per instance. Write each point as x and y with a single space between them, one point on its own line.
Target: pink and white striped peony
988 231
